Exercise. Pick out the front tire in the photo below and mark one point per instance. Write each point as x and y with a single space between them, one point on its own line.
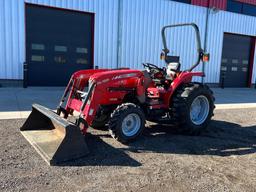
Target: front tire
100 123
127 122
192 108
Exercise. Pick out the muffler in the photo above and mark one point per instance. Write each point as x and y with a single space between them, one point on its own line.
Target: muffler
54 138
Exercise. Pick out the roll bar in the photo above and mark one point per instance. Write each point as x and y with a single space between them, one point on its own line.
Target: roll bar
200 51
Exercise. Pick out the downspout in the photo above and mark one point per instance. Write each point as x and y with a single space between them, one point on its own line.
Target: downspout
206 34
119 33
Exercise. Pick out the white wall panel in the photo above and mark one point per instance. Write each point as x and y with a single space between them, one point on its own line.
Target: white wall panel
12 32
142 21
11 39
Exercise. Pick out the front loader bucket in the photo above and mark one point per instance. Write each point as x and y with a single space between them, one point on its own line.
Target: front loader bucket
54 138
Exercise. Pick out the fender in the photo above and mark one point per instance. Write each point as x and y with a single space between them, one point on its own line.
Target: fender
183 78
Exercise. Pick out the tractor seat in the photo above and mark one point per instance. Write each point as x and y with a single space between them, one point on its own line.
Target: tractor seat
172 69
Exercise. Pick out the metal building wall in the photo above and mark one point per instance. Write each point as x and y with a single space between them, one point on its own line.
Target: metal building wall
11 39
226 22
253 2
142 22
220 4
12 32
141 26
212 3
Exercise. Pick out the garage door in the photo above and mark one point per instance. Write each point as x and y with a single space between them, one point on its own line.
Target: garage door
235 60
58 43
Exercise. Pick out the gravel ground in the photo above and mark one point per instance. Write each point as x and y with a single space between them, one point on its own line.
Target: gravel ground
223 158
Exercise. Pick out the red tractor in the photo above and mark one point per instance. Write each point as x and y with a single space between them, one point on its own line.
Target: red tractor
122 100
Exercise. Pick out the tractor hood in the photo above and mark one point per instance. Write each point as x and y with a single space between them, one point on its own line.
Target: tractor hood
113 75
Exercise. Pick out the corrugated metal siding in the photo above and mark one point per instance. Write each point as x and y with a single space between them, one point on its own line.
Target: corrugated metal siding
12 32
253 2
212 3
11 39
142 21
203 3
220 4
226 22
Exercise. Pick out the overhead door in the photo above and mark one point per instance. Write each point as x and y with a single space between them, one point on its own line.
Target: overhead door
58 43
235 60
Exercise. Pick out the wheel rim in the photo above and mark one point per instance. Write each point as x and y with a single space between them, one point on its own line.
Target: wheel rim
199 110
131 124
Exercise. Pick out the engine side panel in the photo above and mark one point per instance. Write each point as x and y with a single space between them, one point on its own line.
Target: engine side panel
110 89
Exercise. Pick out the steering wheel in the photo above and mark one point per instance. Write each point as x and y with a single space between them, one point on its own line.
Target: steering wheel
151 66
153 69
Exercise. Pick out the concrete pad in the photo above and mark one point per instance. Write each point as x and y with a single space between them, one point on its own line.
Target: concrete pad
8 100
235 95
23 114
17 102
20 99
11 115
236 106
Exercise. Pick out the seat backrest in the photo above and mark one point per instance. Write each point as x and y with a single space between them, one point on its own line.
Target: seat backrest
172 69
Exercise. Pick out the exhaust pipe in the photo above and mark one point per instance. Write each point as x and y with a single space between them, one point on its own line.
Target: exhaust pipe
54 138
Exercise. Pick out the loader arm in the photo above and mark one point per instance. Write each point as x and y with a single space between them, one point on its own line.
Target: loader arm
109 88
78 81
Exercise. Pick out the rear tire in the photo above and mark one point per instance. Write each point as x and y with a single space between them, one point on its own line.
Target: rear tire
192 108
127 122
